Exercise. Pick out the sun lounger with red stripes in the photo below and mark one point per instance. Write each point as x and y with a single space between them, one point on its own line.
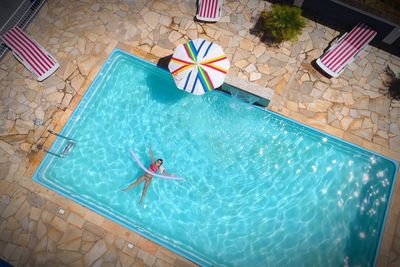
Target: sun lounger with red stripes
31 54
345 50
209 10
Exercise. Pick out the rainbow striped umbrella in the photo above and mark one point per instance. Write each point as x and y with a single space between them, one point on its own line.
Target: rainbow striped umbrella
198 66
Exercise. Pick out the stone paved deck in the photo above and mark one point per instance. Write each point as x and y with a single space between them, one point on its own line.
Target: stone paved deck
81 34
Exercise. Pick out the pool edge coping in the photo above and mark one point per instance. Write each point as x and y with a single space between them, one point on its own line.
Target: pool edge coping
392 186
302 124
35 177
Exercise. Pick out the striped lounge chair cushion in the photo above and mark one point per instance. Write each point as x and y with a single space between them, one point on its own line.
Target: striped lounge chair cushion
209 10
347 48
34 57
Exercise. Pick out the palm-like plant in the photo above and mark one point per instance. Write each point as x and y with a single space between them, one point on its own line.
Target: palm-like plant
284 22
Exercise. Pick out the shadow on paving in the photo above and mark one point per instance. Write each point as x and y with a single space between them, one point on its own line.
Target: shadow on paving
343 19
263 33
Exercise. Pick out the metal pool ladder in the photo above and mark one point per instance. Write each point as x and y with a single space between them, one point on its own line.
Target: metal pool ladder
67 148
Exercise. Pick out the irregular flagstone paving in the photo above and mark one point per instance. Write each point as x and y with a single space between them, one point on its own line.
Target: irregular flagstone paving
34 233
355 103
81 34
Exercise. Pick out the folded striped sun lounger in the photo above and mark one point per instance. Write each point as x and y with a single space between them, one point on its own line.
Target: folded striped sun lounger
31 54
345 50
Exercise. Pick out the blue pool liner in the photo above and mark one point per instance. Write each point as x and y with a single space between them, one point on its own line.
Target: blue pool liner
202 262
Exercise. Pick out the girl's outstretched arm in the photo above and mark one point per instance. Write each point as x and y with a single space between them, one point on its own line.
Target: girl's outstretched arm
151 155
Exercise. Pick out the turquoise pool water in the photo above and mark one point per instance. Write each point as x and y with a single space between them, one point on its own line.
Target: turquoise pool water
260 190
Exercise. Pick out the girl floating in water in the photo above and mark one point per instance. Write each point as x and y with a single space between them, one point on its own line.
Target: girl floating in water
155 166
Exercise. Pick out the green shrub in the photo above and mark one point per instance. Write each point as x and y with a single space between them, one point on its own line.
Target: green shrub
284 22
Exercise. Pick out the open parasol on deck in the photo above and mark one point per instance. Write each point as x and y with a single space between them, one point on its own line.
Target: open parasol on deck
198 66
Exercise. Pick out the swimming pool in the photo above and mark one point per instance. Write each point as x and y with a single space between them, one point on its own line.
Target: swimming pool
260 190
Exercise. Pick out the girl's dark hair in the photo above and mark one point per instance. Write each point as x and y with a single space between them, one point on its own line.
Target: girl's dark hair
161 161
